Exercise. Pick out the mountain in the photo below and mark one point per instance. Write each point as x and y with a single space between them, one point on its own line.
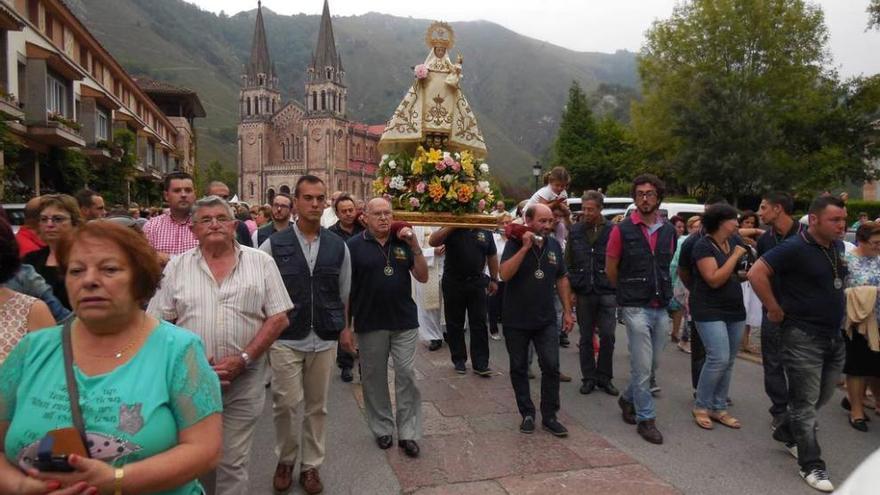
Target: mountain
516 85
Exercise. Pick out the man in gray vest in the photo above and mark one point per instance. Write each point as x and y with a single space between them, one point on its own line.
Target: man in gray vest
282 210
316 268
637 260
596 303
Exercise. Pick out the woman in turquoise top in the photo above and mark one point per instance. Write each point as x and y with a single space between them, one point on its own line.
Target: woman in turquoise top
150 401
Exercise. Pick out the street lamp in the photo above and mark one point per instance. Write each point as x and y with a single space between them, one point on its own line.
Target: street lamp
536 171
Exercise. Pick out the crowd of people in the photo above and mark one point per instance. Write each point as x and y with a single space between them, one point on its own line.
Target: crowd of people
218 302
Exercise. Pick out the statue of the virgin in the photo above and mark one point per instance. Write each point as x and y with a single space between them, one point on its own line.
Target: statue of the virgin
435 112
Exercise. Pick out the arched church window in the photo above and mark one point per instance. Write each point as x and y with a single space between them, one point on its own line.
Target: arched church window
271 195
333 100
248 101
323 100
314 100
329 73
285 189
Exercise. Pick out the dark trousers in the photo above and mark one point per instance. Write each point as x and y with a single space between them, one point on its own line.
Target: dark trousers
495 302
597 313
546 342
698 354
344 359
813 365
775 381
460 300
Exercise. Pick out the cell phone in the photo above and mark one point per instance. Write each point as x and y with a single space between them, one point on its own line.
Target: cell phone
55 448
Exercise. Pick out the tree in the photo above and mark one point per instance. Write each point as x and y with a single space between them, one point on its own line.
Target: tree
216 171
874 14
737 98
595 152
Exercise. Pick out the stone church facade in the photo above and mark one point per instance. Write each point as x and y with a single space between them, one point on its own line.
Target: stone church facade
280 141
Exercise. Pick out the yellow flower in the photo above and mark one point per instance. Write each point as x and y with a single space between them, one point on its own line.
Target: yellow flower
465 193
436 190
378 186
417 164
434 156
452 194
467 162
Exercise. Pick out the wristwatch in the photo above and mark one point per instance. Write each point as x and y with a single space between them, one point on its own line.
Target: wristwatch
246 358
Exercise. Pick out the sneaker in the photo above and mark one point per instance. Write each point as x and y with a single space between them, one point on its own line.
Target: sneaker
627 411
647 429
485 373
654 388
818 479
460 368
347 375
563 340
528 425
435 344
496 335
791 447
554 427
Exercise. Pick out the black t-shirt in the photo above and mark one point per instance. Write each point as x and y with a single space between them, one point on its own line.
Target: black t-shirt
724 303
52 274
770 239
806 272
337 229
529 296
685 255
380 301
466 253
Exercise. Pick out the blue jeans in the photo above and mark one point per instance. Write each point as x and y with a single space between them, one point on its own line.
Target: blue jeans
546 343
646 330
721 340
813 364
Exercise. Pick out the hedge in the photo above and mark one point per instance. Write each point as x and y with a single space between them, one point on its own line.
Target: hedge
856 206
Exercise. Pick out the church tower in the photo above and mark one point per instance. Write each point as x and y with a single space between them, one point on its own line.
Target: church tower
259 100
326 98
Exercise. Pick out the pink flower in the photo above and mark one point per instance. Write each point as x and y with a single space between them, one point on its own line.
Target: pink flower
420 187
387 180
456 166
414 202
441 166
481 205
421 71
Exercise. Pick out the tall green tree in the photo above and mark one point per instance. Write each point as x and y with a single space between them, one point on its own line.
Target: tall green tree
737 98
874 14
219 172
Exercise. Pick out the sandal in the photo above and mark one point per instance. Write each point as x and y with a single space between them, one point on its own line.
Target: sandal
725 419
701 417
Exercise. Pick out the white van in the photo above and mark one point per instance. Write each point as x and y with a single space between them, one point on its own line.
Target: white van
612 206
669 210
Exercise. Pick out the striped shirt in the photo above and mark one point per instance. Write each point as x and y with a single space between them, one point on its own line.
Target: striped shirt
168 236
227 315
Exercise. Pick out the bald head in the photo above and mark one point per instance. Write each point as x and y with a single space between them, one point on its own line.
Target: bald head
378 217
218 189
539 218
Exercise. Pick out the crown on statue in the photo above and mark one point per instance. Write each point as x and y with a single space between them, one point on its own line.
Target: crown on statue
440 34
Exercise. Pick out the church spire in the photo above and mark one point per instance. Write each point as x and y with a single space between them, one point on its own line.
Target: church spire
260 63
326 57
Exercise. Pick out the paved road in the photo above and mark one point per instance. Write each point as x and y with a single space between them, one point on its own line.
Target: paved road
717 462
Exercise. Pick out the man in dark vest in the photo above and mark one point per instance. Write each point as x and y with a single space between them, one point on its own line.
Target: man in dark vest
316 268
637 262
468 252
596 303
346 227
282 210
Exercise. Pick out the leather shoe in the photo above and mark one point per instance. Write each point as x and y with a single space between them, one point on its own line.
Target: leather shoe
384 442
588 387
410 447
647 429
283 478
609 388
555 428
627 411
311 481
563 377
563 340
346 375
435 344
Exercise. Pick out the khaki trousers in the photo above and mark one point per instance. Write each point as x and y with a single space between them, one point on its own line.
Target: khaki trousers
300 377
242 407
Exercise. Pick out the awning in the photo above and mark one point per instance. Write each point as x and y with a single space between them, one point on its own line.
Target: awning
56 62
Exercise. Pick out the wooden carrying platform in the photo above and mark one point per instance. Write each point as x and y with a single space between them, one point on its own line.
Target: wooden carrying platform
447 219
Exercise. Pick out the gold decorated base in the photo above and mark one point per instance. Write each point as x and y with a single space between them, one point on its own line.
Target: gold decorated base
472 220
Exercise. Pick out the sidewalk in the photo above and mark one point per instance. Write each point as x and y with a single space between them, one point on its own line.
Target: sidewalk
472 443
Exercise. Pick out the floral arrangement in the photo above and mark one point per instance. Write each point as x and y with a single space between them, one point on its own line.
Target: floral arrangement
435 181
420 71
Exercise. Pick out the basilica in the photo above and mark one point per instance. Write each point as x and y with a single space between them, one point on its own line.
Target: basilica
278 141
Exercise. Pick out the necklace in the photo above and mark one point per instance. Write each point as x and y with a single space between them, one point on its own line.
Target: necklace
539 274
388 271
838 282
121 352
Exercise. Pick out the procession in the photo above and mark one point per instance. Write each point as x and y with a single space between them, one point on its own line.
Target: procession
370 309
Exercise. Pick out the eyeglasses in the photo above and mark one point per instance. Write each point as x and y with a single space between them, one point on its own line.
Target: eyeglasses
280 207
55 219
209 220
646 194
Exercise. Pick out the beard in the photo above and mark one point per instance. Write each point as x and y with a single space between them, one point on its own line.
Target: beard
648 209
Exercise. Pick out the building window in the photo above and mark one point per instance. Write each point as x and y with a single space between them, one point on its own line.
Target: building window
329 72
102 125
151 155
323 100
251 187
314 100
56 96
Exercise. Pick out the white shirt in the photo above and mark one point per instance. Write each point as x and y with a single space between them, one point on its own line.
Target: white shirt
545 193
227 316
328 218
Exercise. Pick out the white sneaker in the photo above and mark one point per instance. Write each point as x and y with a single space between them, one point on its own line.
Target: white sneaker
818 479
792 449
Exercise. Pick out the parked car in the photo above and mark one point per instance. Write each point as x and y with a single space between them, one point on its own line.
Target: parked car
15 212
667 210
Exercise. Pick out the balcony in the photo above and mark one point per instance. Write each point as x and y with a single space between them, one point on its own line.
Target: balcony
57 131
100 155
9 107
150 173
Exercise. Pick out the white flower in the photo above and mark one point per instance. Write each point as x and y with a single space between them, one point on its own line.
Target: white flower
447 178
392 164
457 156
397 182
446 155
483 186
384 157
484 168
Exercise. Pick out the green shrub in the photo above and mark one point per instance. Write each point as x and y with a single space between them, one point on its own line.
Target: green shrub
856 206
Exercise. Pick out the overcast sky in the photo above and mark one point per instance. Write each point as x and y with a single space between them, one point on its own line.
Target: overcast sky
585 25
